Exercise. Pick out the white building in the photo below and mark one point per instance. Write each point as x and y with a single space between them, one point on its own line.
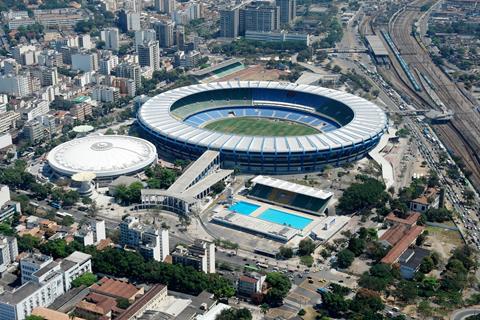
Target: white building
85 42
142 36
149 55
92 232
200 255
15 85
7 120
152 243
85 62
7 207
105 94
74 266
188 13
8 251
3 103
111 38
164 6
107 64
43 280
36 109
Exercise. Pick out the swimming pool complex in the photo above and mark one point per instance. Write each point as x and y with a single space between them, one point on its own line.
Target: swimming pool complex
245 208
271 215
284 218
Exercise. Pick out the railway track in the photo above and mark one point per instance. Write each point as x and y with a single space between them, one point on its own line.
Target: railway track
461 135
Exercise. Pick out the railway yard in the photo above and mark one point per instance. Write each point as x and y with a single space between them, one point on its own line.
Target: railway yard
460 135
427 87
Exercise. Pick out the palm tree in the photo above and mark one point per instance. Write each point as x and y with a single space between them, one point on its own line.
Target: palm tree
264 308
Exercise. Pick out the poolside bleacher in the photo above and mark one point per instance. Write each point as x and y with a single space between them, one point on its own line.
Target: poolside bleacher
290 195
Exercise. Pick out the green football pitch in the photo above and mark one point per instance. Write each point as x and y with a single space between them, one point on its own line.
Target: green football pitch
250 126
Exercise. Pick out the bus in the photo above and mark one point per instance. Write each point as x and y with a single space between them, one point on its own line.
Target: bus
251 268
262 265
62 215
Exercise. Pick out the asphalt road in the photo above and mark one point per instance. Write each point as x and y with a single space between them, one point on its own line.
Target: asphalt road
464 313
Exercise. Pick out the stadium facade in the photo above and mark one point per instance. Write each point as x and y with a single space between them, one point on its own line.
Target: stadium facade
347 126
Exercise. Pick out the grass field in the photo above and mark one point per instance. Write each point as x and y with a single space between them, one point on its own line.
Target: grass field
260 127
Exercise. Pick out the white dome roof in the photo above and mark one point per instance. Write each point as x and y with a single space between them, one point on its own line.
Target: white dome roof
105 156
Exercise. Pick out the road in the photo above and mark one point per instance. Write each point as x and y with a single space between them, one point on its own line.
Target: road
464 313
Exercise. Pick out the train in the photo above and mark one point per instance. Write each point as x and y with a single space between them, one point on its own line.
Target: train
403 63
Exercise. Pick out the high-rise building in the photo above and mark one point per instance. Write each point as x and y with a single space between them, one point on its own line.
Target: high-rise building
34 131
16 85
287 11
43 280
85 62
229 22
142 36
200 255
111 38
105 94
165 6
92 232
129 21
149 55
107 64
47 76
152 243
180 37
259 16
130 71
164 30
85 42
8 251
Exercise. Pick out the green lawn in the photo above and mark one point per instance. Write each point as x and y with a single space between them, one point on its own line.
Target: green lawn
260 127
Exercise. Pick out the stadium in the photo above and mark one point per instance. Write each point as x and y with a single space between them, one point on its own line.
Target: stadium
106 157
263 127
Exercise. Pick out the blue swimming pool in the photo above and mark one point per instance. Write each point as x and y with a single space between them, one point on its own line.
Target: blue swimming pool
284 218
242 207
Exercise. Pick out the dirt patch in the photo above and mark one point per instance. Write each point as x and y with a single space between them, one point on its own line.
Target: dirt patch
256 72
443 241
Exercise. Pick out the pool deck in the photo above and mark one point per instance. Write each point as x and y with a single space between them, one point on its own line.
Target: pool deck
264 206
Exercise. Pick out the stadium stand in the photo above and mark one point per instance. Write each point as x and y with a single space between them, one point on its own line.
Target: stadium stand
289 195
199 119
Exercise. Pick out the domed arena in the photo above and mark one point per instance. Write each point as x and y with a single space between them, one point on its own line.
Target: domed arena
264 127
106 157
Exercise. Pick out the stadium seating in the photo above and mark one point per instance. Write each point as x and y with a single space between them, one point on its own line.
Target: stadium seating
287 198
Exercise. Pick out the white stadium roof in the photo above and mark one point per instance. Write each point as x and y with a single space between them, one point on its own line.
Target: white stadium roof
292 187
105 156
369 120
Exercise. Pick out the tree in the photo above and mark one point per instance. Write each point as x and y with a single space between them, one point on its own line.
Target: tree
366 301
407 291
27 242
356 245
345 258
218 187
6 230
306 247
264 308
367 194
279 287
34 317
123 303
438 215
334 304
234 314
86 279
285 252
67 221
427 265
